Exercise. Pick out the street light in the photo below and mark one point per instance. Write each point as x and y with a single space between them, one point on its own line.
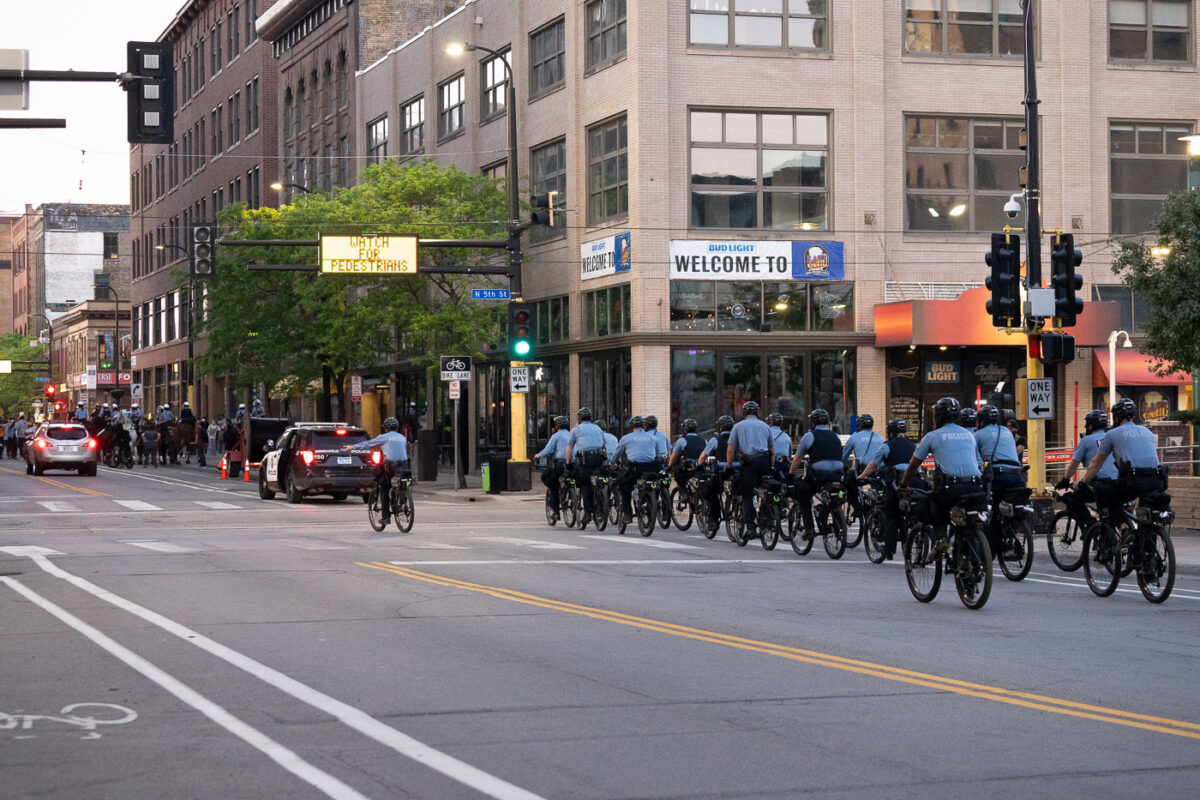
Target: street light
279 187
1112 364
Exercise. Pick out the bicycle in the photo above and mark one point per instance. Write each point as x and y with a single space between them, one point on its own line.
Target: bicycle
645 501
1065 539
1016 534
682 501
707 520
731 512
855 536
569 503
962 550
872 525
601 497
400 487
663 501
1139 542
770 501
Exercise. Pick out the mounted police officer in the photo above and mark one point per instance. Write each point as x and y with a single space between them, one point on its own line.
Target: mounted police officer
863 445
997 448
890 460
781 444
956 458
186 415
555 453
823 449
715 451
642 450
585 451
1135 451
80 413
752 438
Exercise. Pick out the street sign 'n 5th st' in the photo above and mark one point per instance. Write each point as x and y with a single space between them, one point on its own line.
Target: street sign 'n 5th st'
456 368
369 255
1040 403
490 294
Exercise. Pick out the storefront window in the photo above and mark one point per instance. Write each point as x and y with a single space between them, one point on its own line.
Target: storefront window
693 386
741 382
491 391
761 306
833 307
739 306
692 305
833 383
604 386
785 393
785 306
606 311
548 400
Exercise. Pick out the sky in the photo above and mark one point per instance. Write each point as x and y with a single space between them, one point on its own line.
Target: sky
88 161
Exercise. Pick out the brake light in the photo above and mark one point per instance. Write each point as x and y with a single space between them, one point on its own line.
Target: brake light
92 444
340 432
308 456
42 444
376 456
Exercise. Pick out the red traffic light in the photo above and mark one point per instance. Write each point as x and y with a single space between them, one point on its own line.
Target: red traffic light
50 390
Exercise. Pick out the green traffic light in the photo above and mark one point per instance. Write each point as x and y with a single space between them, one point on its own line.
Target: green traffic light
521 347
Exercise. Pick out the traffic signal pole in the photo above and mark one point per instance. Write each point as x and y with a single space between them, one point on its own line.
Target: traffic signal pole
1033 229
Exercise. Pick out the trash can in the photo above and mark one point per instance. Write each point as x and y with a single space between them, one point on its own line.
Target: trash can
497 474
427 456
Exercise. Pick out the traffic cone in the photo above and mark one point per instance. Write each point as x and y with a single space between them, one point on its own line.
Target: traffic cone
224 467
246 471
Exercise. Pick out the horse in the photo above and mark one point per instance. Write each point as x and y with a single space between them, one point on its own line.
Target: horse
179 440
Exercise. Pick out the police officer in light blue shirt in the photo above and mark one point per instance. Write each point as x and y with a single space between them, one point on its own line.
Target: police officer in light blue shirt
395 457
610 442
659 437
1135 451
752 438
1095 428
781 444
956 456
555 453
640 449
822 448
863 444
996 452
585 451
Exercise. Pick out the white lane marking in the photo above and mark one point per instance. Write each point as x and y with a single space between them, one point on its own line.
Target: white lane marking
1182 594
216 504
535 543
137 505
44 497
592 562
160 547
646 542
348 715
314 545
170 481
91 514
281 755
419 545
57 507
29 550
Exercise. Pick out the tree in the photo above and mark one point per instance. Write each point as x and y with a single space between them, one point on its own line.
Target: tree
17 389
297 327
1167 283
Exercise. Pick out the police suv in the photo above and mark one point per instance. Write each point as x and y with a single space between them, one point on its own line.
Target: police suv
310 459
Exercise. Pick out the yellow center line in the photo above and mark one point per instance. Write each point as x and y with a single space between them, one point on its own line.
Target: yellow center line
997 694
59 484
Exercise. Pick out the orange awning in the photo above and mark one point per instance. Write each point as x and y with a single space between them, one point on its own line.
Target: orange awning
1134 368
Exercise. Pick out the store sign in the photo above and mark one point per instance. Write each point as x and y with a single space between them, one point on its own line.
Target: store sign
990 372
605 257
1154 406
942 372
90 377
698 260
106 378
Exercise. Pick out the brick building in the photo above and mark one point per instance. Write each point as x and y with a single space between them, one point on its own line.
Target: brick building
224 152
81 337
747 191
6 275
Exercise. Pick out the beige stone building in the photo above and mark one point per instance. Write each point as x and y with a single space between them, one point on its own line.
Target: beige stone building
780 179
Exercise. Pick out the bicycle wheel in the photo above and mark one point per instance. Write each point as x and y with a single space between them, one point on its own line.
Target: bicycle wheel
731 514
375 510
662 503
570 506
551 515
1016 549
706 521
1101 561
922 569
1065 542
768 524
800 544
873 536
600 507
681 509
972 568
1156 564
647 514
403 503
835 533
854 535
621 520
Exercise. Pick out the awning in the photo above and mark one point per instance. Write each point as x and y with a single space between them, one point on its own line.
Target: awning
1134 368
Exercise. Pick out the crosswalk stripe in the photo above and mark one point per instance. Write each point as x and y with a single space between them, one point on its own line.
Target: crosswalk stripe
162 547
137 505
646 542
216 504
534 543
55 505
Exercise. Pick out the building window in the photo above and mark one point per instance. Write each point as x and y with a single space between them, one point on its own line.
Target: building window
959 172
289 114
377 135
343 169
329 88
549 174
214 42
199 84
605 32
1149 30
218 130
494 79
450 107
992 28
608 171
235 32
251 13
547 58
753 170
343 80
496 170
606 311
313 110
761 306
111 246
302 106
554 320
234 109
1147 162
413 122
251 107
790 24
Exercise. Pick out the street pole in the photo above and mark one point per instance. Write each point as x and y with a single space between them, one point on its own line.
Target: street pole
1033 236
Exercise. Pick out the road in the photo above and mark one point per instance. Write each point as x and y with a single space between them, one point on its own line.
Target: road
166 635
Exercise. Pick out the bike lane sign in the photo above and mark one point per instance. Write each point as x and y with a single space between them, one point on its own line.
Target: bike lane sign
456 368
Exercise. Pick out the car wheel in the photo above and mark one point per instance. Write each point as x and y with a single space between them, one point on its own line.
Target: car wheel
28 468
263 492
38 469
92 468
293 493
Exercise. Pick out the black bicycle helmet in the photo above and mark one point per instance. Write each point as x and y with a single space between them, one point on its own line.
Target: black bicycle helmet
946 411
988 415
637 422
750 407
602 425
775 418
561 422
865 422
1095 420
897 427
819 416
584 413
724 423
1010 417
690 425
1124 409
966 417
651 422
391 424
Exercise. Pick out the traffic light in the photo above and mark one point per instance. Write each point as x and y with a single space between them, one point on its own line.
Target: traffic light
1064 258
1056 348
202 254
543 209
50 391
520 330
1005 281
150 92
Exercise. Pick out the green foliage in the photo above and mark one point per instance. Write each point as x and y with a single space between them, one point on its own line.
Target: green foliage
1168 283
267 327
1189 417
17 389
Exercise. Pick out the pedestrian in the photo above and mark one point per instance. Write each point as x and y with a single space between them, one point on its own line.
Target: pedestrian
201 442
212 429
150 446
10 442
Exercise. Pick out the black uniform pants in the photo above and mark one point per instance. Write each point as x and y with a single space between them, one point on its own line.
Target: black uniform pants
1001 481
1112 495
951 494
754 469
809 486
585 467
636 470
550 478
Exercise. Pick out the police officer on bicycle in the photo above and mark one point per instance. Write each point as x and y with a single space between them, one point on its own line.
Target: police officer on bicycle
556 449
585 452
823 449
890 458
863 444
395 458
686 452
659 437
752 438
781 444
610 442
1135 451
998 454
956 458
715 451
642 450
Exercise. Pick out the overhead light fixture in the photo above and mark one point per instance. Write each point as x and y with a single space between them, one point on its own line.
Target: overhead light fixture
958 210
781 306
933 212
943 348
806 226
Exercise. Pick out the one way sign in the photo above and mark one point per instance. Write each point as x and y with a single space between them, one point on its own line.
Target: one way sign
1040 403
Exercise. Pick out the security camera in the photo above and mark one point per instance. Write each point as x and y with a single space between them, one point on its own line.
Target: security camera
1013 208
